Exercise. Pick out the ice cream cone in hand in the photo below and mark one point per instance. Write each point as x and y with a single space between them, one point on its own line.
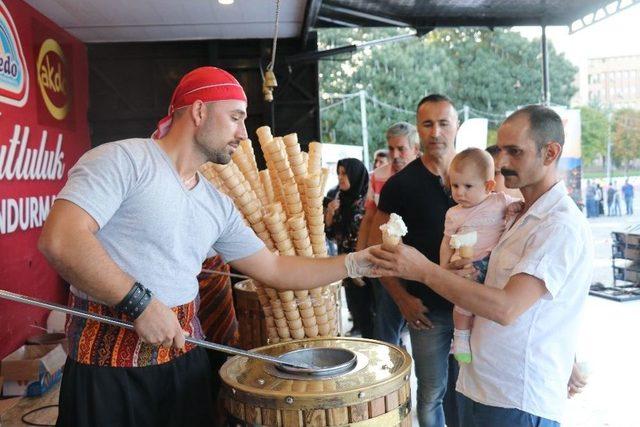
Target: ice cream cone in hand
392 232
463 244
466 252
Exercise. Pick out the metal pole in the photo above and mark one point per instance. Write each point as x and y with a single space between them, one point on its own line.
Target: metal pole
465 112
126 325
609 116
365 130
546 95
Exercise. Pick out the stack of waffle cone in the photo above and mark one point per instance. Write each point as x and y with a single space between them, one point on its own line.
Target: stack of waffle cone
211 175
283 205
229 179
270 150
245 160
297 163
315 214
274 219
314 163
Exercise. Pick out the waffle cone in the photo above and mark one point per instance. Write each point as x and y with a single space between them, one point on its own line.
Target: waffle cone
324 329
297 334
295 324
390 241
466 252
307 313
311 331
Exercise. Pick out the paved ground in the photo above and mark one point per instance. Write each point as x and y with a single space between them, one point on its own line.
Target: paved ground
609 343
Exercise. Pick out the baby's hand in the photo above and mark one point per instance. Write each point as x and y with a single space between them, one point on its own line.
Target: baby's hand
515 208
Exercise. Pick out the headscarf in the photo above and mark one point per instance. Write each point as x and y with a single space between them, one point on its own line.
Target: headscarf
359 184
207 84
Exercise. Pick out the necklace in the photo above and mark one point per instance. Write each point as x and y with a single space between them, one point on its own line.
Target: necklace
187 182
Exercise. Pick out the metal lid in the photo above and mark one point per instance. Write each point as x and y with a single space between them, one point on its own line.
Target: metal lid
325 361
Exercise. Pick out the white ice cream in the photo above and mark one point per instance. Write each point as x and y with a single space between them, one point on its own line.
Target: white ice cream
395 226
459 240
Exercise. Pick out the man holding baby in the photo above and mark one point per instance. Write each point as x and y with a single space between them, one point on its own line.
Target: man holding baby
523 337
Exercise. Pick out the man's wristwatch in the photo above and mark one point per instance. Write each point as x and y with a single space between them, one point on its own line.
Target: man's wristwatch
134 303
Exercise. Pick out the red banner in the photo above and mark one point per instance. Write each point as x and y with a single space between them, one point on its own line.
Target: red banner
43 132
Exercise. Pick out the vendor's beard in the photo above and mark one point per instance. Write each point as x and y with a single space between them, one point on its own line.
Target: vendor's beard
219 156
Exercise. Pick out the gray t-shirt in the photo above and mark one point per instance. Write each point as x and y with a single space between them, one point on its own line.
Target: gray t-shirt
150 224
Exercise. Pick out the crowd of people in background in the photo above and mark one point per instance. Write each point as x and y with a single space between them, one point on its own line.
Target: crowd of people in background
598 196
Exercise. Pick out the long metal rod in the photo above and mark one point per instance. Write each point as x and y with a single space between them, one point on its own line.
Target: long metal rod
546 92
126 325
223 273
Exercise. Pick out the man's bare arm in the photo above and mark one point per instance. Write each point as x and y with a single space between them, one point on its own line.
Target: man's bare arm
445 251
503 306
375 235
365 228
69 243
288 272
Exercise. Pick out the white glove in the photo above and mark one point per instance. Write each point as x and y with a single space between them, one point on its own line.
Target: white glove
358 265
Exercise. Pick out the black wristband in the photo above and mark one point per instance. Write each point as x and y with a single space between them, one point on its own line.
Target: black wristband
134 303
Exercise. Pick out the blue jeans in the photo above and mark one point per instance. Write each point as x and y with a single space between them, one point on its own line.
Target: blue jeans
628 201
388 321
430 350
474 414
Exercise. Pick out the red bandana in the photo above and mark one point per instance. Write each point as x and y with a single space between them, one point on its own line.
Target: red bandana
207 84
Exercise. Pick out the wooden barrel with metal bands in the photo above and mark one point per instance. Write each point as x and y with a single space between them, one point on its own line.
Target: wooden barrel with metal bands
375 391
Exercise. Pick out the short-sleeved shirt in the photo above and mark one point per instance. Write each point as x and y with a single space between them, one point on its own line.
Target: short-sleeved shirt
376 181
526 365
154 228
422 201
487 219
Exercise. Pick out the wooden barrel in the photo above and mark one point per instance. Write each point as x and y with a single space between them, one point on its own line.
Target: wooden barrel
376 392
251 321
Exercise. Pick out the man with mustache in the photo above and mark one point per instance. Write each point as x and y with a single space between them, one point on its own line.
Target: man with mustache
403 147
419 194
537 281
129 232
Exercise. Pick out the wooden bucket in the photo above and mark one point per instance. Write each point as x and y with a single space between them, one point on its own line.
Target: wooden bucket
251 321
376 392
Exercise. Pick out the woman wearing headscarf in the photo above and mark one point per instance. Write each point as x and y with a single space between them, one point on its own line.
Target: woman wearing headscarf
342 219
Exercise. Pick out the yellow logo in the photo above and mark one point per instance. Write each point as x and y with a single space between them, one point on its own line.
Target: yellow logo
52 80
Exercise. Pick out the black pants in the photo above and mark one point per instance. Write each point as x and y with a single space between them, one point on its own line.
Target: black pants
178 393
216 360
360 303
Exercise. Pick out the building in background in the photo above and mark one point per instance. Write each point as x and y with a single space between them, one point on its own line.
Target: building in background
615 81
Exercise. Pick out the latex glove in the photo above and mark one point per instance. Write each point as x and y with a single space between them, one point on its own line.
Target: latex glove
359 264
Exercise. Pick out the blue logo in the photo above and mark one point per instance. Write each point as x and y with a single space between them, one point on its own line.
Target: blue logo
14 78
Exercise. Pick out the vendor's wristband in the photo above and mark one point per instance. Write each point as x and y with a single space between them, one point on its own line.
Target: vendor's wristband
134 303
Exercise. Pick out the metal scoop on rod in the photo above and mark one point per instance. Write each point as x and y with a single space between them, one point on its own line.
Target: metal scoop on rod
206 344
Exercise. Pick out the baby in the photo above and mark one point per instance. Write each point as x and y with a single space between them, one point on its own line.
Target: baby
473 227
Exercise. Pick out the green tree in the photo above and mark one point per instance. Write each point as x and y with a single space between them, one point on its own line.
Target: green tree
493 72
594 134
626 137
